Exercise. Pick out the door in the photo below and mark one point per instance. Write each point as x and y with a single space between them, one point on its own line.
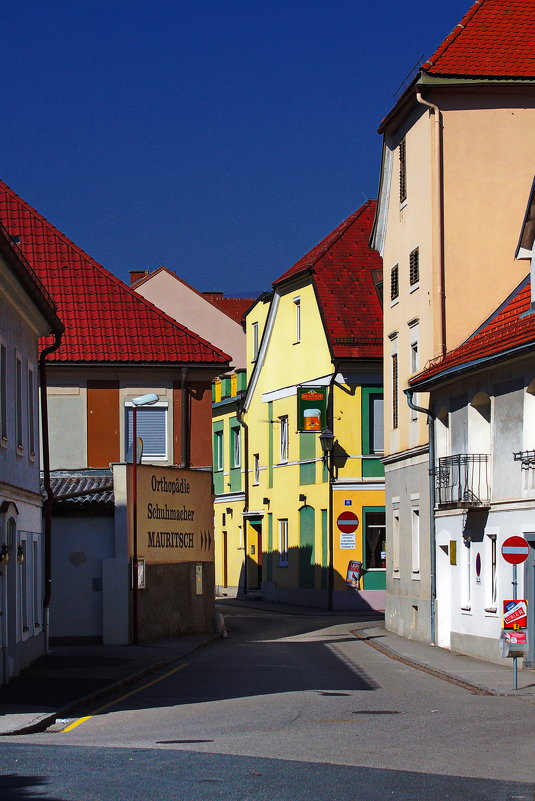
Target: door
374 548
254 555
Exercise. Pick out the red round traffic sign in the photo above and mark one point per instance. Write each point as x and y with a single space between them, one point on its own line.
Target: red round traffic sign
515 550
347 522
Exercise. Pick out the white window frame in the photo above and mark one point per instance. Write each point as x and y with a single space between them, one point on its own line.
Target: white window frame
3 393
19 404
284 439
415 541
140 411
492 573
256 468
297 317
219 457
235 440
254 341
395 543
283 542
32 438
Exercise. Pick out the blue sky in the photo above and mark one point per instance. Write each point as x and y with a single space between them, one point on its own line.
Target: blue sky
222 139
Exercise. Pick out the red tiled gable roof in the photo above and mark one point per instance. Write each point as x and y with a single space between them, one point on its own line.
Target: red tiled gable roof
506 330
495 38
105 320
341 266
234 308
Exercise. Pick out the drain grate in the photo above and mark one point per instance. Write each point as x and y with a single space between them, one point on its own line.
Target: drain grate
377 712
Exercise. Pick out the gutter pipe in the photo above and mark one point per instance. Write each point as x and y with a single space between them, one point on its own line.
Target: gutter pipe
440 289
46 480
184 425
432 496
240 414
329 463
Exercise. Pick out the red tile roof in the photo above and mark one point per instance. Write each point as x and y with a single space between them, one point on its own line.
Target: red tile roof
342 266
505 331
494 39
234 308
105 320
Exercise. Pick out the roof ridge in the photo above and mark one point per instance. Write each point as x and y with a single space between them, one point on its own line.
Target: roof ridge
327 243
122 285
453 35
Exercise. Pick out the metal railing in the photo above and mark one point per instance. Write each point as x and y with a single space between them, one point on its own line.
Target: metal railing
463 480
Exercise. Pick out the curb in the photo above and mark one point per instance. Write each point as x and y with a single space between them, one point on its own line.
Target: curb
41 723
475 689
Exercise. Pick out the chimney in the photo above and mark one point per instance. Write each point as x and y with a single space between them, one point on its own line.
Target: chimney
137 275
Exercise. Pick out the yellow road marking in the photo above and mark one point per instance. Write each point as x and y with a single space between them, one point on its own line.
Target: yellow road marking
122 698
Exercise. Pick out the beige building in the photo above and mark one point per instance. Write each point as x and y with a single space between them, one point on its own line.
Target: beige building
456 170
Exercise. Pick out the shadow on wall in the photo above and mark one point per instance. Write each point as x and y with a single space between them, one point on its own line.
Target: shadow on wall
296 577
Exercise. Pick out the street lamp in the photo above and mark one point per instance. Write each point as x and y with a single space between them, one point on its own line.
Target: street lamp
326 441
141 400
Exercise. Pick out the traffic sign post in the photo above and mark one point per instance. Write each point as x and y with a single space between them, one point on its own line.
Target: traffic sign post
515 550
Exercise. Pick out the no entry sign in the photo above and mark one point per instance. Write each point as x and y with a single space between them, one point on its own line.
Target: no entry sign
515 550
347 522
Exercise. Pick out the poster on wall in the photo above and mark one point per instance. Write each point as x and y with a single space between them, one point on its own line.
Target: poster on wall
311 408
175 518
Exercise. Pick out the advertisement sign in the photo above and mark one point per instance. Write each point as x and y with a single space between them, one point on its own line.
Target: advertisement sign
311 408
515 614
354 570
175 518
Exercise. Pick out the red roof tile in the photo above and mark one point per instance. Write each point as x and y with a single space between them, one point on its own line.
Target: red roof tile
341 266
495 39
105 320
506 330
235 308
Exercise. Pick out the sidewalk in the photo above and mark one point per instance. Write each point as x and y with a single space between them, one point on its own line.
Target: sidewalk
71 676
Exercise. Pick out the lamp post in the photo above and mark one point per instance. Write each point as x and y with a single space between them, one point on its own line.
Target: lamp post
141 400
327 441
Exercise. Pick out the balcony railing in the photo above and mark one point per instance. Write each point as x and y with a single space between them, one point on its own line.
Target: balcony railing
463 480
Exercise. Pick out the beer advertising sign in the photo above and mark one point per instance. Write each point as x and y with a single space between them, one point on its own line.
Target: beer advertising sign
311 408
175 514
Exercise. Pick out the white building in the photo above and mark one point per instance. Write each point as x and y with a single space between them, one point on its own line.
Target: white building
26 313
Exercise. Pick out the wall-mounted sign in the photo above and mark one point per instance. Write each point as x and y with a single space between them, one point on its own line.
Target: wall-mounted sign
175 518
311 408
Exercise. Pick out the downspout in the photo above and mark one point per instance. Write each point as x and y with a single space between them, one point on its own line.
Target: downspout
184 422
432 495
48 487
440 289
240 414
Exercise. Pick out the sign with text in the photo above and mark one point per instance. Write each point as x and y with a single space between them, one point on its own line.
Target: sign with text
175 518
311 408
515 613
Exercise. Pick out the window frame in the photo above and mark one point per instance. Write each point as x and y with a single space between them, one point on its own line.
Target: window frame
297 319
3 393
394 283
219 453
403 171
19 405
414 269
283 542
141 411
284 443
235 446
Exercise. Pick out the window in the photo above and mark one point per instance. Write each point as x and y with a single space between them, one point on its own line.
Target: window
256 468
284 438
394 282
395 410
414 369
377 441
395 542
3 392
493 586
218 450
297 307
283 543
23 567
467 572
375 540
402 172
414 267
18 402
254 338
151 429
236 446
479 424
415 538
31 416
37 595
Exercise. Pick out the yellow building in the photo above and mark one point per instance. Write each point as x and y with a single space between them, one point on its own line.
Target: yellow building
314 350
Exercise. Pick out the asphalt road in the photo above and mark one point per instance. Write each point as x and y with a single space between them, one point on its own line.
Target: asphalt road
287 708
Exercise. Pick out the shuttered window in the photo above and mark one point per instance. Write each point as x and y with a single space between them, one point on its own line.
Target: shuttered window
394 282
414 267
394 390
152 428
402 172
